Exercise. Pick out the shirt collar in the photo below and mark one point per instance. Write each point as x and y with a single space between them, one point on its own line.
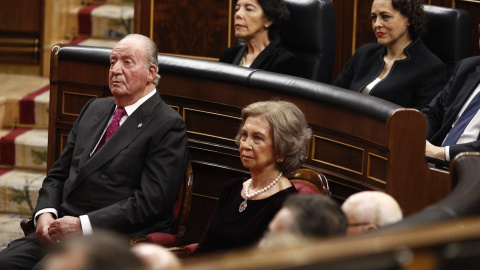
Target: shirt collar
131 108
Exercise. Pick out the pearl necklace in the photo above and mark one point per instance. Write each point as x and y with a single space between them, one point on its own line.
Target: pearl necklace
243 205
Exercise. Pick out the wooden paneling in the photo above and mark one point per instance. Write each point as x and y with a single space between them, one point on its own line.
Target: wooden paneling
195 28
216 125
20 31
364 32
143 19
442 3
344 22
21 16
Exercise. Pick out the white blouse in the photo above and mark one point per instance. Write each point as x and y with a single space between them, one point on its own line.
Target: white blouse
370 86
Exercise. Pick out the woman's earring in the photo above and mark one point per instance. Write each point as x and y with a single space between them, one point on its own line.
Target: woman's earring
266 25
280 160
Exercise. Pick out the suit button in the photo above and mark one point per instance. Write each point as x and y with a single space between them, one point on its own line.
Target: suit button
104 177
76 171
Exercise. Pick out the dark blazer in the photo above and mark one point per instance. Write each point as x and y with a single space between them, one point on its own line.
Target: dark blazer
412 82
131 183
444 108
274 58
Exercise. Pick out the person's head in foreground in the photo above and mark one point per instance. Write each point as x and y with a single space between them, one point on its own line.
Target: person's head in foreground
369 210
308 216
101 251
156 257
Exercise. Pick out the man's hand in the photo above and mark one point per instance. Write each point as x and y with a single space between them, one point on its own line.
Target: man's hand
43 224
434 151
65 226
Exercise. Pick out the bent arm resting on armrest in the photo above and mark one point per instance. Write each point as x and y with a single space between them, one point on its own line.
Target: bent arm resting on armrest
434 151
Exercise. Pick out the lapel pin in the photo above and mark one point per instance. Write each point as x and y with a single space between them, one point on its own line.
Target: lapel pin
140 125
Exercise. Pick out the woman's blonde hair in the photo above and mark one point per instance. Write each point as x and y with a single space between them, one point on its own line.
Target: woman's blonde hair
289 131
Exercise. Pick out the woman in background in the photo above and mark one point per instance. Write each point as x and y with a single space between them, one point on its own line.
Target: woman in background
399 67
258 24
272 141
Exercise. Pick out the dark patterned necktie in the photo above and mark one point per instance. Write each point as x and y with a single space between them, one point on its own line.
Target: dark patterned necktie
463 121
112 127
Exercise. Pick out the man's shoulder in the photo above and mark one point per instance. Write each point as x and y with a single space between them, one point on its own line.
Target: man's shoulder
104 101
470 63
164 109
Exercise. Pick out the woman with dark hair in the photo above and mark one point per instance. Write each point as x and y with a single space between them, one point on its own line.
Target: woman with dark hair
272 140
258 23
399 67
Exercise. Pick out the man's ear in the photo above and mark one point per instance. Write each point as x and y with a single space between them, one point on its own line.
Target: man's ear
152 72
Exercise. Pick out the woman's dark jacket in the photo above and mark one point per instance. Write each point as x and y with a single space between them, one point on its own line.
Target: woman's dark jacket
274 58
412 82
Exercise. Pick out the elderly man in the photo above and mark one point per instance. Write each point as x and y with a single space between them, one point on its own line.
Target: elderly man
369 210
304 216
124 180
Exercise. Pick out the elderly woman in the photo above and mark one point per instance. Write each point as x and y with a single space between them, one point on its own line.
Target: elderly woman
258 24
272 141
399 68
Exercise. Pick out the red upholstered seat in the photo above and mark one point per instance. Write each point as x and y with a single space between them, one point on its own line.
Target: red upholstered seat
308 181
181 210
305 187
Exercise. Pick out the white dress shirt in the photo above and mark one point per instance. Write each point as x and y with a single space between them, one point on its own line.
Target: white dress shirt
470 134
84 220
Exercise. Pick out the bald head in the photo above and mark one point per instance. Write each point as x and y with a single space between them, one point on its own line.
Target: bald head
368 210
156 257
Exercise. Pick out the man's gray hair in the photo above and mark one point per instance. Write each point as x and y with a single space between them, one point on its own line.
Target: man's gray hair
151 53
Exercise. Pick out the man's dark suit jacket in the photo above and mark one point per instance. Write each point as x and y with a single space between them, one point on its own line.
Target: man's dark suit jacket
442 111
131 183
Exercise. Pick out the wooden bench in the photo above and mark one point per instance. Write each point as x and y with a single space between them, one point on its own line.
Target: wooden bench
359 142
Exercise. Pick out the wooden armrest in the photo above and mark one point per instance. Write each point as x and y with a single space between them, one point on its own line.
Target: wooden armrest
140 239
438 163
183 251
27 226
